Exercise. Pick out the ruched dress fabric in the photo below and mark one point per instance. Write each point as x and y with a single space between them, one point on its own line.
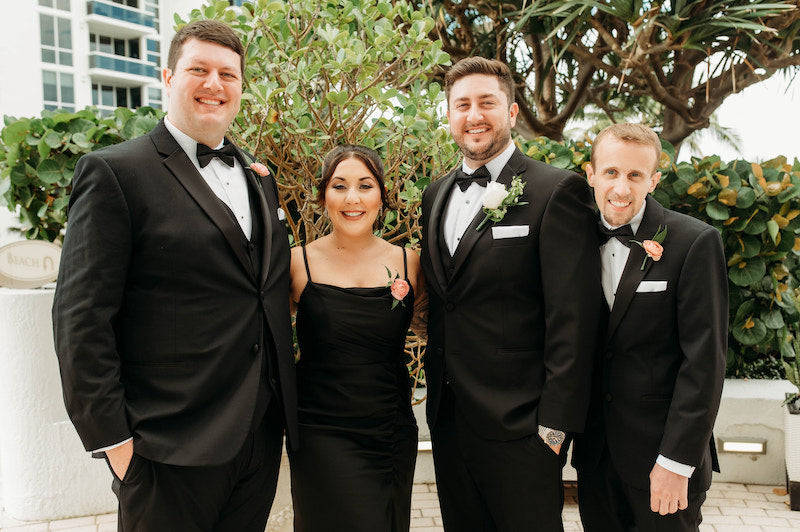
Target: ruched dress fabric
354 468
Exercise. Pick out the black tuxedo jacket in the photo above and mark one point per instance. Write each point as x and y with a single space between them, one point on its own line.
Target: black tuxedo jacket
513 321
661 366
159 317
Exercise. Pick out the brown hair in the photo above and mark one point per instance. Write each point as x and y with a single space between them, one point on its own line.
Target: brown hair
368 156
205 30
638 133
480 65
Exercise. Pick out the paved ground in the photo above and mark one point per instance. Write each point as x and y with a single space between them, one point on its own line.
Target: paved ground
729 508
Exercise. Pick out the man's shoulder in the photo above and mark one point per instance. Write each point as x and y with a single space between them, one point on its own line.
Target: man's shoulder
688 225
545 173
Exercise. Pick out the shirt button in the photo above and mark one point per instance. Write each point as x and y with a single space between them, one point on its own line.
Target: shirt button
255 348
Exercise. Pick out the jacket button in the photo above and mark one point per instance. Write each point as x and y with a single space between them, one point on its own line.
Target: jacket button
251 246
449 307
608 398
263 293
255 348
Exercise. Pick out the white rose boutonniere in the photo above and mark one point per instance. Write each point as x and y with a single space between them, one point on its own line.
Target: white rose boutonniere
496 200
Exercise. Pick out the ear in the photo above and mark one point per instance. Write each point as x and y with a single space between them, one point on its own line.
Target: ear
166 77
654 180
590 174
513 112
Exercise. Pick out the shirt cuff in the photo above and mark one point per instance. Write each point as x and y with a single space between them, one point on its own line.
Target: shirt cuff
104 449
675 467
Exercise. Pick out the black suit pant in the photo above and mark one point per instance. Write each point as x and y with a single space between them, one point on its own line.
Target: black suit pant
489 485
232 497
607 504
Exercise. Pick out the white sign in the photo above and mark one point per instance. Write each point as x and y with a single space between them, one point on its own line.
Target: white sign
29 264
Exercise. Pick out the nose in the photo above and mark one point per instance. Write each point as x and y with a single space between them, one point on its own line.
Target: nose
474 114
352 195
212 81
622 188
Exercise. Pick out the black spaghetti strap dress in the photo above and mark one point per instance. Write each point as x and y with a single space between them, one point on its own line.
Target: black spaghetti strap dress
354 468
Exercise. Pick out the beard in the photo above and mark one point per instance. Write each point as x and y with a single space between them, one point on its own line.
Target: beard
497 144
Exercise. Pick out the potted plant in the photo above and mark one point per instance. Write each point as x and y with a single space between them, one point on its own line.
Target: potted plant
792 429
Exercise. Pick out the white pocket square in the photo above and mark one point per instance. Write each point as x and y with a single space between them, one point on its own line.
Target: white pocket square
509 231
652 286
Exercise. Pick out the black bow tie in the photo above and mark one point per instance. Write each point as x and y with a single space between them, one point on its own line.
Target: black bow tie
481 176
225 154
623 233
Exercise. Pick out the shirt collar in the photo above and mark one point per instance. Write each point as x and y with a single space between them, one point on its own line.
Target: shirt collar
635 222
496 165
186 142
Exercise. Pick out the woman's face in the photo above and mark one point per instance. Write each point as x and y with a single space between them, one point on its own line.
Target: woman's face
352 197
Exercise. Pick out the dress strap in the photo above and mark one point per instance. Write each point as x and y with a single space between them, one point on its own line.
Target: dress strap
305 260
405 263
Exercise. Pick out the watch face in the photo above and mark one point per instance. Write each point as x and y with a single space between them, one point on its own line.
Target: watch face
554 437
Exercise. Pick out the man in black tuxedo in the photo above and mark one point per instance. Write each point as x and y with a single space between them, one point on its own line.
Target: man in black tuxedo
513 316
171 313
645 460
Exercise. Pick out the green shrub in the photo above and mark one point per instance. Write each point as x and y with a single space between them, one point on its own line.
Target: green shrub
39 155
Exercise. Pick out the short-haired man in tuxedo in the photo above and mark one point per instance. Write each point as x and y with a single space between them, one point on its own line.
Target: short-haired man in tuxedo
171 313
513 316
645 460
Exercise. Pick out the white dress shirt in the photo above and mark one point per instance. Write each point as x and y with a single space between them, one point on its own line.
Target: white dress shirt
229 185
613 256
463 206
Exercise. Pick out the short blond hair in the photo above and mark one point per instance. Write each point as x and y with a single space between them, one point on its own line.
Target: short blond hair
638 133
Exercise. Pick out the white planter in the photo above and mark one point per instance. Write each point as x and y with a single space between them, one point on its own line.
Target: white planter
792 429
46 474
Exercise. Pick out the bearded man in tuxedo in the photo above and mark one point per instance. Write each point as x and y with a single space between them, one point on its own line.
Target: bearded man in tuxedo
513 316
171 313
645 460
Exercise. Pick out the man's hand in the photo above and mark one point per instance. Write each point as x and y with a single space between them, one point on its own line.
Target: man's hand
120 458
668 491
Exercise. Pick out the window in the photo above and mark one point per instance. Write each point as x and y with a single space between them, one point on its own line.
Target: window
56 39
111 45
58 89
108 97
129 3
63 5
154 97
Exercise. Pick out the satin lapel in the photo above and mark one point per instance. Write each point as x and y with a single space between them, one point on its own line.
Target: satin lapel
432 231
472 234
266 214
185 172
633 273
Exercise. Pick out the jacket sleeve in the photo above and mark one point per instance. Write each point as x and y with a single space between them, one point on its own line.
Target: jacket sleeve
88 298
570 259
702 314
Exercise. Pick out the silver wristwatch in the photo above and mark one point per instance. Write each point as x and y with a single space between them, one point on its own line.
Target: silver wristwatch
552 437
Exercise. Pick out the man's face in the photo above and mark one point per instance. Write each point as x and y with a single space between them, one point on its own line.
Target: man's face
204 90
480 118
623 174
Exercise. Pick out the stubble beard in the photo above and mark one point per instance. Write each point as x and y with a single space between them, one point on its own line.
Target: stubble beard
498 143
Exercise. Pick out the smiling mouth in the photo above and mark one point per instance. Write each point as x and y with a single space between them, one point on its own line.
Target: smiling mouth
352 214
619 204
477 130
208 101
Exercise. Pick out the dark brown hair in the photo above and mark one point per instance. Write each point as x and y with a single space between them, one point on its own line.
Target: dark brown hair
480 65
368 156
205 30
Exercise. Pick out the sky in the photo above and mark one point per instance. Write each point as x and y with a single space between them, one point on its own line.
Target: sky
767 118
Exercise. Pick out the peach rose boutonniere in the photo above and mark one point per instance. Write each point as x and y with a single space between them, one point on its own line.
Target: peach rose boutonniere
398 287
260 169
653 247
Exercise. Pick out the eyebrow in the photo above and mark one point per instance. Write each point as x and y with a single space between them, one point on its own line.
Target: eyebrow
360 178
487 96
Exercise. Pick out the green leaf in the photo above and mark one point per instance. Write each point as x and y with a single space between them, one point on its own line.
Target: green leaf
49 171
774 229
53 139
752 335
15 132
773 319
752 272
746 197
717 211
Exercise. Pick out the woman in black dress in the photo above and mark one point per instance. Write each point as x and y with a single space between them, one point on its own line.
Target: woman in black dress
354 468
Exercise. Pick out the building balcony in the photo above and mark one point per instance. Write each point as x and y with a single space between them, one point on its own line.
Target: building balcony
120 70
118 20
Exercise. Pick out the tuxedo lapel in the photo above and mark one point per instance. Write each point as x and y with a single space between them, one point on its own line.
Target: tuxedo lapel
433 231
472 234
266 214
633 273
181 167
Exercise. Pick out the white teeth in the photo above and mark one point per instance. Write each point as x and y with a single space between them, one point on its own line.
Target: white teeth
476 131
351 214
209 102
619 204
